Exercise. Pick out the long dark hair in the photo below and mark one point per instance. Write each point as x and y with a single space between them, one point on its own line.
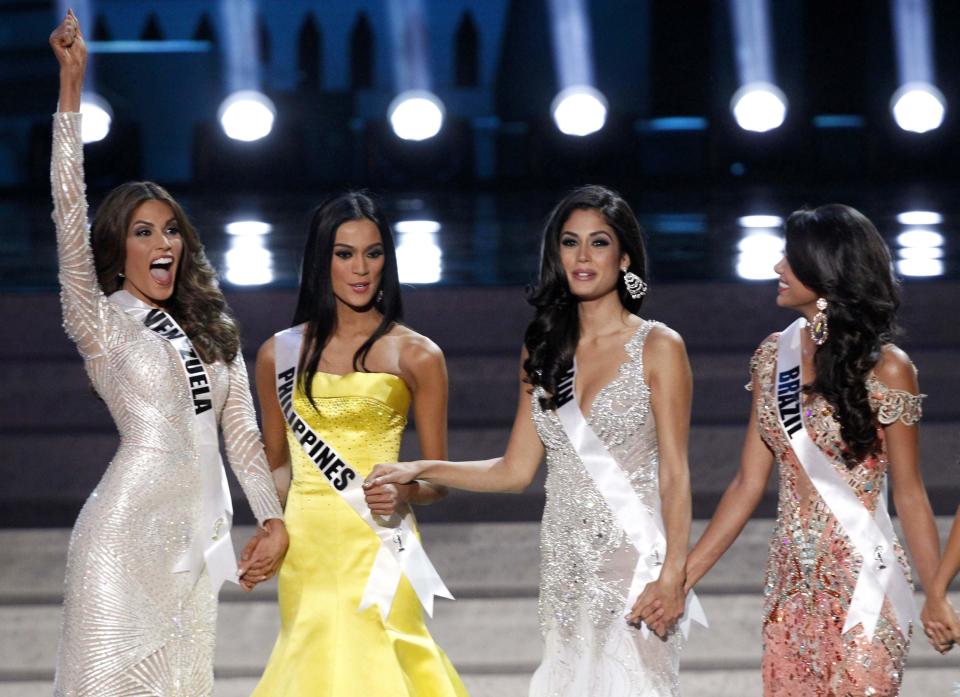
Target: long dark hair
552 335
316 304
837 252
197 302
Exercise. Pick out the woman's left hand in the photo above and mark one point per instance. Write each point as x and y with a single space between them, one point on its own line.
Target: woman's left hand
262 556
387 499
659 606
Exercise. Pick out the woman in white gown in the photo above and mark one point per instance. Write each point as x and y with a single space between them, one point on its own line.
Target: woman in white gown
148 551
632 388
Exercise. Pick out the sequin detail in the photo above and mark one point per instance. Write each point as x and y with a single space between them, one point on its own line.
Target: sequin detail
812 568
130 625
587 562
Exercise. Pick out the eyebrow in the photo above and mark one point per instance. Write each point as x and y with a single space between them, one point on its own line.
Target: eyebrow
150 224
589 234
350 246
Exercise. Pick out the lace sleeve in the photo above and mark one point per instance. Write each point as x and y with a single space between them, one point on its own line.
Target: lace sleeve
84 304
892 405
762 354
245 447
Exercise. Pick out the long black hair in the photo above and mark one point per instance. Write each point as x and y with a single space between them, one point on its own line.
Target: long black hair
316 304
837 252
552 335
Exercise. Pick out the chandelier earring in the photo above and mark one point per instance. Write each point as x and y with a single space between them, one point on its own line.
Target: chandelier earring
636 286
818 325
379 296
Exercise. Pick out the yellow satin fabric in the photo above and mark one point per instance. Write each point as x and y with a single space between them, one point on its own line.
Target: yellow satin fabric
325 647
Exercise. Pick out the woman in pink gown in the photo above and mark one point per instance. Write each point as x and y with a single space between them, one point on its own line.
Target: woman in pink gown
855 405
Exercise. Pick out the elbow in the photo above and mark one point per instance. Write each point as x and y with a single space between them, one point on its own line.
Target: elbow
519 483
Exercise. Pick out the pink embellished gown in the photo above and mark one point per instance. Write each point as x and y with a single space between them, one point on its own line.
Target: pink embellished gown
812 569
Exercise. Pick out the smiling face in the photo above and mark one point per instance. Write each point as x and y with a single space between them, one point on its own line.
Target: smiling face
357 263
590 254
792 293
154 247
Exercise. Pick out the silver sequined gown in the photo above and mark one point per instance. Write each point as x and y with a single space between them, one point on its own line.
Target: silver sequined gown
131 626
587 562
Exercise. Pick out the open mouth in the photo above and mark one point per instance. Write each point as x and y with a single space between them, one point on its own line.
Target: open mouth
161 270
360 287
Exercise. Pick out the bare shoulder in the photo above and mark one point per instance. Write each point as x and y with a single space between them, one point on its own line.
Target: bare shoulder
266 354
895 369
416 352
664 342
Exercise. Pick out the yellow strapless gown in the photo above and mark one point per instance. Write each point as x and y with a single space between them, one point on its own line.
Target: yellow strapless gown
325 647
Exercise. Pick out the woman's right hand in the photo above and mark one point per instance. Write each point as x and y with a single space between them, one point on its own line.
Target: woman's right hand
71 52
394 473
940 622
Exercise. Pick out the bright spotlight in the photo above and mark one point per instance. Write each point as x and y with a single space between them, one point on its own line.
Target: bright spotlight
248 262
762 244
760 221
920 238
918 107
579 111
97 117
920 267
921 253
919 218
244 228
759 107
416 115
247 115
419 257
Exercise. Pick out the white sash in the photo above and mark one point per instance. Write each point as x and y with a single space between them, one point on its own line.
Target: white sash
643 528
871 535
211 543
401 551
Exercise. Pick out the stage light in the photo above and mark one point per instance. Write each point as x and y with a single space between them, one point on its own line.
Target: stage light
416 115
759 253
919 218
760 221
921 253
759 107
579 110
920 267
248 262
920 238
97 117
244 228
419 257
247 115
918 107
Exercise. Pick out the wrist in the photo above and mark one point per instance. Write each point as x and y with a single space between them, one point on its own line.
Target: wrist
273 525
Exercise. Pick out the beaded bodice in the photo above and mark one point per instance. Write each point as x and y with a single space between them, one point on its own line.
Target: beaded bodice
586 559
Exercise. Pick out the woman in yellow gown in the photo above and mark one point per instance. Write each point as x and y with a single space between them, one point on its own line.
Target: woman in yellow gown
359 371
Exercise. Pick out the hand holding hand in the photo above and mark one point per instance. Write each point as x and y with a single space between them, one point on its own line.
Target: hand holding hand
659 606
263 554
387 499
394 473
940 623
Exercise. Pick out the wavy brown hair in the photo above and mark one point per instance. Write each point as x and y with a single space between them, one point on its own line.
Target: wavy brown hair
197 302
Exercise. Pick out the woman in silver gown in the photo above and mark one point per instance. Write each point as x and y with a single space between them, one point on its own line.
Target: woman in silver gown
632 387
138 620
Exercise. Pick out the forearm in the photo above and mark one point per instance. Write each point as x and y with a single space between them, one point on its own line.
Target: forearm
676 509
423 493
71 86
477 475
949 563
921 533
735 508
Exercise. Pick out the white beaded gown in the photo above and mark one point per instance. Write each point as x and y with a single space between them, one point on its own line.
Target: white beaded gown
587 562
131 626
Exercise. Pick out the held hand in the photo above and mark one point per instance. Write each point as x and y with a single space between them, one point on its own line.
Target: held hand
246 555
262 560
69 47
940 623
387 499
659 606
395 473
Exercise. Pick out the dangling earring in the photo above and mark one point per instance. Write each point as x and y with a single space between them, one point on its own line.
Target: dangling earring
818 326
121 276
636 286
379 296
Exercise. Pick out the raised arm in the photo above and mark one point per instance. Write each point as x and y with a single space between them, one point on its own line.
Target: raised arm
84 305
661 603
512 472
738 502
